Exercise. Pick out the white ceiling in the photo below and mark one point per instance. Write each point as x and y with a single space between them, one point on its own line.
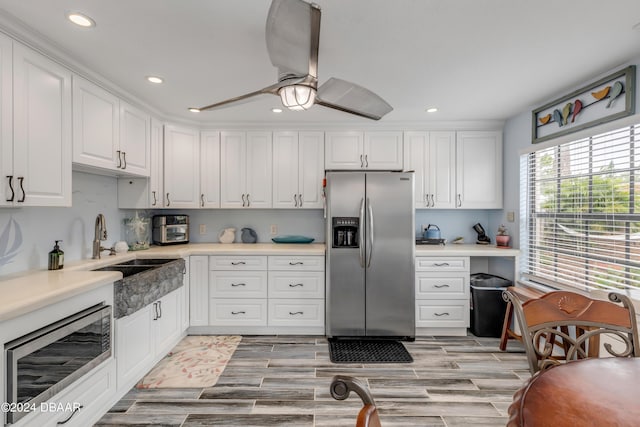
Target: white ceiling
477 60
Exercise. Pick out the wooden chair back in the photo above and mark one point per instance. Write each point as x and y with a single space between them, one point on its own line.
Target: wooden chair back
343 385
563 326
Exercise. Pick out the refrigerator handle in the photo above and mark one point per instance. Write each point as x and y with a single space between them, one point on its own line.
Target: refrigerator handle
361 233
370 230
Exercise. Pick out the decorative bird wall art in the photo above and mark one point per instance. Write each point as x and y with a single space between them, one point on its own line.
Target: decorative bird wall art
572 109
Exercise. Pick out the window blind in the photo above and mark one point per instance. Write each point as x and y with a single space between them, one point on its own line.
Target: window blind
581 206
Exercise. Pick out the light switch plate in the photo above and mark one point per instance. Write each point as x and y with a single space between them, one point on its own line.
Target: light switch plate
511 216
203 228
274 229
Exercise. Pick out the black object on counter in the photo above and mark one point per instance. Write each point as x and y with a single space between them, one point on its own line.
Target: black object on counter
56 257
487 306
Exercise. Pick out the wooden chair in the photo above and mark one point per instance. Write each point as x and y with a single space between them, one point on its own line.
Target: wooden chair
564 326
342 385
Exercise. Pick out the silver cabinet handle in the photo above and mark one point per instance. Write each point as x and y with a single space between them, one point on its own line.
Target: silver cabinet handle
296 263
441 286
295 285
153 193
459 200
235 313
441 314
124 160
13 193
75 411
366 160
119 160
24 195
296 313
360 233
238 284
370 229
155 311
243 201
238 263
441 264
426 199
248 201
361 161
168 201
159 309
433 202
295 200
300 200
202 200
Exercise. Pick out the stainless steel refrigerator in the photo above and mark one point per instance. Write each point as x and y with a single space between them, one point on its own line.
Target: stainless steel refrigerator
370 255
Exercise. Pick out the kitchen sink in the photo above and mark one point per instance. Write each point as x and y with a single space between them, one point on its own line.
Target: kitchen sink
126 270
146 262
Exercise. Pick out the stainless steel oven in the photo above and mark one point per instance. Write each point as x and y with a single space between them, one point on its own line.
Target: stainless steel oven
45 361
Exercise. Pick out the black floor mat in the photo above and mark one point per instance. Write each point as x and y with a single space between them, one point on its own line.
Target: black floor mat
368 351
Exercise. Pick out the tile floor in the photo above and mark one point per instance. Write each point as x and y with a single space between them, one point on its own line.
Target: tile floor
284 381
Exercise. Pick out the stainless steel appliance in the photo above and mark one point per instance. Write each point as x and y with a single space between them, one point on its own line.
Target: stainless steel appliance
170 229
42 363
370 255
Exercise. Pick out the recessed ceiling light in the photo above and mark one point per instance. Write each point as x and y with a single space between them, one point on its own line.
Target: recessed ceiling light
276 110
81 19
432 110
155 79
194 110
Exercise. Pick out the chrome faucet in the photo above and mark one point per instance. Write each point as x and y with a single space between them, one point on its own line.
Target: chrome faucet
100 234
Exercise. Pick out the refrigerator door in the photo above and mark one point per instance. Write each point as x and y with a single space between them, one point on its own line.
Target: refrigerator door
390 271
345 292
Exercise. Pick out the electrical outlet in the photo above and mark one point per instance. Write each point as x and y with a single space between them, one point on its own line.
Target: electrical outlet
511 216
274 229
424 227
203 228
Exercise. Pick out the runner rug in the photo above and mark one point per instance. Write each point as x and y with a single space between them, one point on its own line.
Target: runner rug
196 362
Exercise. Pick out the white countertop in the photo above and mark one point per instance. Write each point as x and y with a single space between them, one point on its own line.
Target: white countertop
465 250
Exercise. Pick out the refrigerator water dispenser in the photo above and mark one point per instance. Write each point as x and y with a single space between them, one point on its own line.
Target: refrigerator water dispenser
345 232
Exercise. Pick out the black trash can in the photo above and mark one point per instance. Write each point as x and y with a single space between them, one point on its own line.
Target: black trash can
487 305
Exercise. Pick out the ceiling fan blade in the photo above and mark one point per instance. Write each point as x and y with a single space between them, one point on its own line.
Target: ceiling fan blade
242 99
351 98
293 35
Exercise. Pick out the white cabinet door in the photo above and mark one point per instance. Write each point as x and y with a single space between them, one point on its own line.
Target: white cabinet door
416 148
95 125
383 150
232 169
344 150
310 169
134 346
259 154
441 160
6 120
42 130
134 140
168 321
199 290
181 167
285 170
479 170
210 169
157 165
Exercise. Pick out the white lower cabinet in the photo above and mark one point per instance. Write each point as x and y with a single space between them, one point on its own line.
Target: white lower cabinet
258 294
142 338
442 295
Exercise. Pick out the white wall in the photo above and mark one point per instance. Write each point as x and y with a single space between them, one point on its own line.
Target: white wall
39 227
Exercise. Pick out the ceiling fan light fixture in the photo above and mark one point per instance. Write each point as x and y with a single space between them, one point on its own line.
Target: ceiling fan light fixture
297 97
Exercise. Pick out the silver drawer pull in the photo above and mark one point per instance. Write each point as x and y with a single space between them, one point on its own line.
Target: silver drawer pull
441 314
238 263
238 312
294 313
296 263
295 285
441 264
238 284
441 286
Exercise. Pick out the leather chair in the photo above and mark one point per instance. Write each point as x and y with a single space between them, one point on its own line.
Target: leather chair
342 386
564 326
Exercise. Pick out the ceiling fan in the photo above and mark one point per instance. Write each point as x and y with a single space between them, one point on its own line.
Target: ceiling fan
293 36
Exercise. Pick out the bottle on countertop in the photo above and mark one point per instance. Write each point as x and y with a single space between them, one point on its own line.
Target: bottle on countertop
56 257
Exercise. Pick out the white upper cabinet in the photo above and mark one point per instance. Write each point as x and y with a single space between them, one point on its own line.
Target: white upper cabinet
156 166
479 170
108 133
298 169
380 150
181 167
7 197
134 140
245 169
210 169
41 131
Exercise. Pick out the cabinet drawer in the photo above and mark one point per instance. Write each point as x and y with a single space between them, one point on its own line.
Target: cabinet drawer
442 286
310 263
238 312
238 284
442 313
237 263
442 264
296 312
296 284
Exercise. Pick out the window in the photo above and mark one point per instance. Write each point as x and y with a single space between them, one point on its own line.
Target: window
581 206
